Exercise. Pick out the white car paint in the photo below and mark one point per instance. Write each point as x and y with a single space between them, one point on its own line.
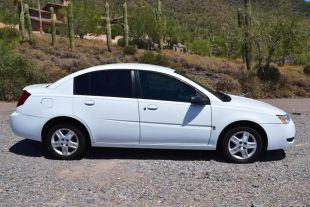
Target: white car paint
124 122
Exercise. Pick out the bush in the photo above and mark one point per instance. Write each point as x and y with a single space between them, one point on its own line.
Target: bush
153 58
199 47
9 38
17 72
130 50
302 59
121 42
8 16
307 69
269 73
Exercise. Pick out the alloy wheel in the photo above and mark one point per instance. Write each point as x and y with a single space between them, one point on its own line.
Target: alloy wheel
242 145
64 142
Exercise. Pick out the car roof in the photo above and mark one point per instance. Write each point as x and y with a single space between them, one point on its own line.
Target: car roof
132 66
116 66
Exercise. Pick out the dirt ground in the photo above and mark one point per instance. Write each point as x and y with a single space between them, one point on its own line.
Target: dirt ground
137 177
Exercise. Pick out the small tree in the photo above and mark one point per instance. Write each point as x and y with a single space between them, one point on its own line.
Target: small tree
87 19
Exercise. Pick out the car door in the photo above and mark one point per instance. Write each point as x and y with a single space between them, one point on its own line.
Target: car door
104 100
167 116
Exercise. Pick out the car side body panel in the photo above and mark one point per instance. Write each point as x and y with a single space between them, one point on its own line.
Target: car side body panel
111 120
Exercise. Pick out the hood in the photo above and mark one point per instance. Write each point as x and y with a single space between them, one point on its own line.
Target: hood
254 105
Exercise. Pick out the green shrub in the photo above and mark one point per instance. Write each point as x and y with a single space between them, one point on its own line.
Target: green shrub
269 73
199 47
137 42
130 50
116 30
16 72
9 38
307 69
8 16
153 58
302 59
121 42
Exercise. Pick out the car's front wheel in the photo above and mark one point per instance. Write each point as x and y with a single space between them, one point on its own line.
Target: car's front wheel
242 145
65 141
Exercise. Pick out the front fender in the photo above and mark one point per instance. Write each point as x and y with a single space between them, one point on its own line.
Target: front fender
224 116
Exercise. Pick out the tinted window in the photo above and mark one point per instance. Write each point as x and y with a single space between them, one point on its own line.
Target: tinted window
114 83
162 87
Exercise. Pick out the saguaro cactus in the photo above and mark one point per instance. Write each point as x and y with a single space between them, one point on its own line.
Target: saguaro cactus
70 25
108 26
247 34
126 28
28 20
240 16
21 19
53 25
245 23
160 20
40 17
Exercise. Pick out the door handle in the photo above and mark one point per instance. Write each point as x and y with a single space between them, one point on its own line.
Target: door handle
152 107
89 103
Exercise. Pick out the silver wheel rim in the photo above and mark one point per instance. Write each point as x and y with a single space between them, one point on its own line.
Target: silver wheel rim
242 145
64 142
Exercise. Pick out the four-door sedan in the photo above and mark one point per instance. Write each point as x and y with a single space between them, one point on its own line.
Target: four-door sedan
146 106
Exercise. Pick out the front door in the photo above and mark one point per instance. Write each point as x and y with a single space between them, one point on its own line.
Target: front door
167 117
104 101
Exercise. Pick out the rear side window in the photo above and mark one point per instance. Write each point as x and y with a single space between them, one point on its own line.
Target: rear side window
113 83
162 87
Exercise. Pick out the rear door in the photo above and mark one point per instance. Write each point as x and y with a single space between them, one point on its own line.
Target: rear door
104 100
166 115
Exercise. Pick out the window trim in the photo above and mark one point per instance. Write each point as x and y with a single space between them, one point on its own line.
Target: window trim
132 80
140 92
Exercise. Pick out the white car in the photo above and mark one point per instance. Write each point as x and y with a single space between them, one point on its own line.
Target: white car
146 106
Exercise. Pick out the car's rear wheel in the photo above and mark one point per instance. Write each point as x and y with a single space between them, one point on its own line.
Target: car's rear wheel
65 141
242 145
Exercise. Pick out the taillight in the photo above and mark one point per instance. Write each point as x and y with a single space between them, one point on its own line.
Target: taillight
23 98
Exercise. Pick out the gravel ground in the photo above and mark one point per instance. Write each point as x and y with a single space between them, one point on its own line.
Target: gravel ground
131 177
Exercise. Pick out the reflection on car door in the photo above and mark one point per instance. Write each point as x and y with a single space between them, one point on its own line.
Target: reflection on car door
166 115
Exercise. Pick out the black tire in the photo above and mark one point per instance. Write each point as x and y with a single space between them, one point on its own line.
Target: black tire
79 137
225 145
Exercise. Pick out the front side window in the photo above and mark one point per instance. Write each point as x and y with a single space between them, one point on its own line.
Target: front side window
162 87
113 83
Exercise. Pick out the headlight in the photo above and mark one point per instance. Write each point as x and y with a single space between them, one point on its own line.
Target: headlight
284 119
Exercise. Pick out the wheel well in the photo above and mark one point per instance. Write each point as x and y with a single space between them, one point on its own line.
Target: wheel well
250 124
65 120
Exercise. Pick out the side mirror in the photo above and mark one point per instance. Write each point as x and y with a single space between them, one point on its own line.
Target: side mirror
200 100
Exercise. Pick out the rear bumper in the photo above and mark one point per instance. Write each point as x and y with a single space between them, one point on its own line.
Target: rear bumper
27 126
280 136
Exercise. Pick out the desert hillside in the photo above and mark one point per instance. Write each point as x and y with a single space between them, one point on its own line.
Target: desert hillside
254 48
219 73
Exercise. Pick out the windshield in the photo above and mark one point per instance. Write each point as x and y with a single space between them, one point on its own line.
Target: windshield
220 95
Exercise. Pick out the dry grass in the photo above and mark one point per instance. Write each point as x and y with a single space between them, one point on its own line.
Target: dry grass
59 60
218 73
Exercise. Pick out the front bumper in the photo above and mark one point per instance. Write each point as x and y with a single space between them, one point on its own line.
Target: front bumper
27 126
280 136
